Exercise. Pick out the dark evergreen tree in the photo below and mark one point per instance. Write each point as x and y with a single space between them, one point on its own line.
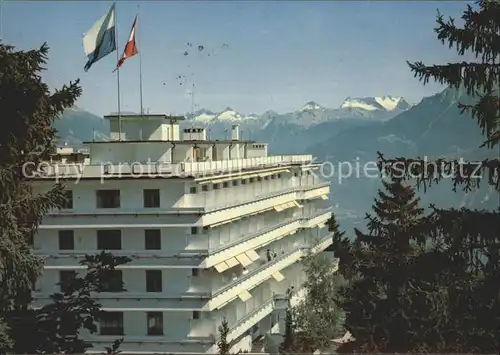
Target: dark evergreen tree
55 327
287 345
224 345
460 269
380 267
26 136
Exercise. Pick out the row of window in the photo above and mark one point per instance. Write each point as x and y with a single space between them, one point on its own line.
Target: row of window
112 281
111 199
111 323
225 184
151 197
111 239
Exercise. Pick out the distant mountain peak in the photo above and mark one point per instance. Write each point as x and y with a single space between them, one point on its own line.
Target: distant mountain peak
388 103
311 106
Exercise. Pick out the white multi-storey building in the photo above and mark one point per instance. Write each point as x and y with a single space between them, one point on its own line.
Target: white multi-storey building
215 229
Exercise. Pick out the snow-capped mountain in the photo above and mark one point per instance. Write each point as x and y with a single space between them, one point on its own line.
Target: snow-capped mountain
387 103
312 106
312 113
227 115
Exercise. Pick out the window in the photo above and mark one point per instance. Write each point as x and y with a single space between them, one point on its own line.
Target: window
108 198
111 281
273 177
266 177
279 176
152 239
68 202
196 315
194 272
243 182
204 188
151 198
259 178
66 240
155 323
251 180
111 323
225 184
194 230
192 190
66 277
235 182
216 186
31 239
153 281
109 239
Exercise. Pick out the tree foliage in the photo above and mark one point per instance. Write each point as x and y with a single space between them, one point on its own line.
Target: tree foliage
444 295
223 344
380 268
288 343
28 111
54 328
315 321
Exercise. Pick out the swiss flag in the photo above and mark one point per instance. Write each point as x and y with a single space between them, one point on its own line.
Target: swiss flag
130 48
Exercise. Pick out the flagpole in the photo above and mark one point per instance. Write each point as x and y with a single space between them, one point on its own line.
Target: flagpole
118 78
1 20
140 62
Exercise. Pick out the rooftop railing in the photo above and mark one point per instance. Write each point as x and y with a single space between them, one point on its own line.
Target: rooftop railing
143 169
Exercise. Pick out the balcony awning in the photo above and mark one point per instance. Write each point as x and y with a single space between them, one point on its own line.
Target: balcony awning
224 222
243 259
252 254
297 204
278 276
324 197
221 267
232 262
285 206
216 180
245 296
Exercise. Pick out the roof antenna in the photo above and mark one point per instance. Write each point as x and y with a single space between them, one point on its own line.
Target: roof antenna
192 102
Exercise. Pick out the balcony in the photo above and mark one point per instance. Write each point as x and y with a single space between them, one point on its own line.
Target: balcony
208 329
242 285
230 212
261 238
165 168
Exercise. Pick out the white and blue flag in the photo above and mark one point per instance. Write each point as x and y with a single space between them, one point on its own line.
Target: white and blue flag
100 40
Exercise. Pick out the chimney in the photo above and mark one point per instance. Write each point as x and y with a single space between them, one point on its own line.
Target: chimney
235 130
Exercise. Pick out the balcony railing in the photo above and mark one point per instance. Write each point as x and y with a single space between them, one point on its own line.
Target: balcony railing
231 291
135 168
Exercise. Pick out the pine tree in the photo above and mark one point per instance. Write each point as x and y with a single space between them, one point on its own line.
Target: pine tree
287 345
462 262
318 317
223 344
28 111
55 327
380 267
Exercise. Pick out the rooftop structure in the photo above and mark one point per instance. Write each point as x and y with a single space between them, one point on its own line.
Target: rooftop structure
215 229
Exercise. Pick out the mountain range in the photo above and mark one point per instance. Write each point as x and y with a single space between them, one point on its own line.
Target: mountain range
354 132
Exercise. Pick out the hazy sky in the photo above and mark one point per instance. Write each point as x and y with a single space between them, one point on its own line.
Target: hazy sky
279 54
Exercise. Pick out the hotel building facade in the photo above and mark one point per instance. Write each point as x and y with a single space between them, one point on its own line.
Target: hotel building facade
215 229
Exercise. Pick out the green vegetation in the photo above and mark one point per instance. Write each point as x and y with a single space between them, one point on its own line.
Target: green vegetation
430 283
29 110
